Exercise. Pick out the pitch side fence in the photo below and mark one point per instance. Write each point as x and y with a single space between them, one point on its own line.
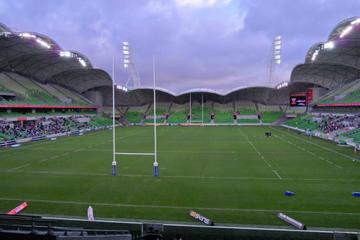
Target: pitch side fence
171 230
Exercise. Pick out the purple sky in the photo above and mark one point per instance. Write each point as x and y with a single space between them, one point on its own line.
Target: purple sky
218 44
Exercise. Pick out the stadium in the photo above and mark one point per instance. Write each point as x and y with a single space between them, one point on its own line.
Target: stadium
144 157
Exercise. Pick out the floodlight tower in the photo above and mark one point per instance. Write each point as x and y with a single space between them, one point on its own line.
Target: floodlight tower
129 66
275 58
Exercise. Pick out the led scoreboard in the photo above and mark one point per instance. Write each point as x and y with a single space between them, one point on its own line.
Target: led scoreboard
298 100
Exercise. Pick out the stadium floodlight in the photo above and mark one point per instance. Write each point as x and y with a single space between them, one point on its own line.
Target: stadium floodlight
314 55
129 65
65 54
82 62
43 43
346 31
277 49
121 88
27 35
329 45
282 85
356 21
275 58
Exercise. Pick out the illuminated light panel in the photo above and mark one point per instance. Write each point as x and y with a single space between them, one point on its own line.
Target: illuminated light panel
282 85
27 35
329 45
65 54
357 21
122 88
346 31
82 62
126 65
126 43
43 43
313 57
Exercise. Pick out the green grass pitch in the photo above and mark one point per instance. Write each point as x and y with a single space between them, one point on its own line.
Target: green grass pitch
230 174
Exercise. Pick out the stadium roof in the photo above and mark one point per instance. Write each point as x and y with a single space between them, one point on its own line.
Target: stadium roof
328 75
260 94
196 90
335 62
39 57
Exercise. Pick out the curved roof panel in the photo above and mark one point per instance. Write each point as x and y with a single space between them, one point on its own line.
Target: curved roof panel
148 88
4 28
310 52
327 75
41 58
344 53
340 27
200 90
82 80
335 62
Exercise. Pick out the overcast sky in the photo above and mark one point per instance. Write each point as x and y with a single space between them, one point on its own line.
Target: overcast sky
218 44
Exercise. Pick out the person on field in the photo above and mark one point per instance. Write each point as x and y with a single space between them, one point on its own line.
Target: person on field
90 214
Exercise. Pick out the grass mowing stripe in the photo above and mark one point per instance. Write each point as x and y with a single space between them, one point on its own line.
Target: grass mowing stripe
174 207
315 144
183 177
305 150
195 176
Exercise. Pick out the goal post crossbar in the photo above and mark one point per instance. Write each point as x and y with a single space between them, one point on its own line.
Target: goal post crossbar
135 154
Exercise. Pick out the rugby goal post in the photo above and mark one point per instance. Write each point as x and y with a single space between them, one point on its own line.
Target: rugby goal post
154 153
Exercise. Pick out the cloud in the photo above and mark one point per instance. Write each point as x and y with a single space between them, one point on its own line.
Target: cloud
158 7
200 3
219 44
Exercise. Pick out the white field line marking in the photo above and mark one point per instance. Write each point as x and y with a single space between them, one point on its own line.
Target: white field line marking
342 180
175 207
35 144
304 150
277 174
16 168
26 146
256 150
62 154
330 162
322 147
338 166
